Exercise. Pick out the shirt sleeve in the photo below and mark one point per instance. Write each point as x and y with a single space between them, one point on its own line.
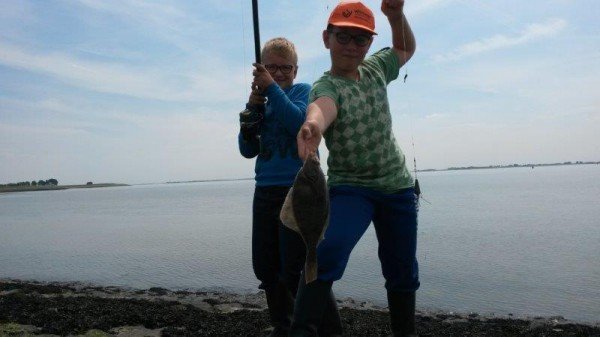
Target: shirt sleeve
324 88
290 108
387 61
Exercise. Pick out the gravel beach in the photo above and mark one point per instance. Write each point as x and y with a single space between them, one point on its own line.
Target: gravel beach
30 308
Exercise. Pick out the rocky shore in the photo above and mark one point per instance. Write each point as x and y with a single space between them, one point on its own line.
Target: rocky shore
74 309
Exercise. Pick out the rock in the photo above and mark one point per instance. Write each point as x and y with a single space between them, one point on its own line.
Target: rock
136 331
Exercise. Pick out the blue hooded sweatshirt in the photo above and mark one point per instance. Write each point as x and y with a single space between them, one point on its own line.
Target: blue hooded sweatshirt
285 112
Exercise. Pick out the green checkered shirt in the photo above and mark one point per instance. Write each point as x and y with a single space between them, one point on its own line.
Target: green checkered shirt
362 148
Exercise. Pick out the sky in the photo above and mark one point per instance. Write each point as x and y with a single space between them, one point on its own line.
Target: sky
130 91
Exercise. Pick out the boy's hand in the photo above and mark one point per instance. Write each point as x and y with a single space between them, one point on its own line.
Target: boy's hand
262 78
393 9
255 97
308 139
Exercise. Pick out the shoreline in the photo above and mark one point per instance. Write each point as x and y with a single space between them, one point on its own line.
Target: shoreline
74 308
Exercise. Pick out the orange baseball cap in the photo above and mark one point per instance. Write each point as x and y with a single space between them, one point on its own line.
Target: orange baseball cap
353 14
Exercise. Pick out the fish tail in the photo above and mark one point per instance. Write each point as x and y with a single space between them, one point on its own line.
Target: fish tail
310 267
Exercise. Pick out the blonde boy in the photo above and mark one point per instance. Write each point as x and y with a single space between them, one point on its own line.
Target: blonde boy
277 252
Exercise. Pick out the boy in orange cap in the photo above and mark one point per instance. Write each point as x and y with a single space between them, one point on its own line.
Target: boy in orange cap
368 178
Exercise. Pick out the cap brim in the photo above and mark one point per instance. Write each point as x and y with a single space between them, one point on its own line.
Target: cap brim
353 25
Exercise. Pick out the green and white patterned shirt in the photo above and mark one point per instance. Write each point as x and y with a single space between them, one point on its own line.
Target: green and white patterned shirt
362 148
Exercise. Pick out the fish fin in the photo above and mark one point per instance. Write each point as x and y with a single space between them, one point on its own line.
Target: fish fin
310 267
324 229
287 213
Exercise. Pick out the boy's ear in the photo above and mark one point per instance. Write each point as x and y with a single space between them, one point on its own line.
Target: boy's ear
326 38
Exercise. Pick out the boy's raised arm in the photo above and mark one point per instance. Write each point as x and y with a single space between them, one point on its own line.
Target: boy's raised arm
320 114
403 39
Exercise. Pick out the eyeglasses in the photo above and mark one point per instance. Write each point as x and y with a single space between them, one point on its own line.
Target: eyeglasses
285 69
360 40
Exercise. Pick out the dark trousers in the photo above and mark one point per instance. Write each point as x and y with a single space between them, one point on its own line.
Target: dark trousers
278 253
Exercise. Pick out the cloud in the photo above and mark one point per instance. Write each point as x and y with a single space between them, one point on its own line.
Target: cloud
419 7
542 81
435 116
531 33
101 77
166 22
179 146
135 9
197 85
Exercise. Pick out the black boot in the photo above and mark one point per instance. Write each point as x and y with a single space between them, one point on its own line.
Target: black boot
311 301
281 304
331 324
402 313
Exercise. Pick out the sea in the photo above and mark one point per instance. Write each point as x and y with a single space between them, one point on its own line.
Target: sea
515 241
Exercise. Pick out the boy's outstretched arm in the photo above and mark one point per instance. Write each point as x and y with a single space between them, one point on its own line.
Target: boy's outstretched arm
403 39
320 114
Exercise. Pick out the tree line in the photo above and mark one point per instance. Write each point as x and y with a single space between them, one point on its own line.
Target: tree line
40 182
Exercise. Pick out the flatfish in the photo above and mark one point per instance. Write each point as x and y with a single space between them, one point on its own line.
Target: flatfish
306 211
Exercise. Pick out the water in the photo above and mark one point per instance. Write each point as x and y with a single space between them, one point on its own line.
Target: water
521 241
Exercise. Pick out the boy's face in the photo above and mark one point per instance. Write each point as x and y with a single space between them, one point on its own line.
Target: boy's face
347 46
282 69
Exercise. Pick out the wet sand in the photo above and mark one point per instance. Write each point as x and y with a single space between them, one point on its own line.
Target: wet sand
61 309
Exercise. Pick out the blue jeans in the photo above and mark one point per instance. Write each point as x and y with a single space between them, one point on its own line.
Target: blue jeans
395 219
278 253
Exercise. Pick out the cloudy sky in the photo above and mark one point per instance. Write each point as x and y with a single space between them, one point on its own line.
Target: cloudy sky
146 91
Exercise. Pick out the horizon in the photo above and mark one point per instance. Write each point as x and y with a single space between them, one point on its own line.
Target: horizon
458 168
130 91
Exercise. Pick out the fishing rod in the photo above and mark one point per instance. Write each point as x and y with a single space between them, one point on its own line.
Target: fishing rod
256 30
252 116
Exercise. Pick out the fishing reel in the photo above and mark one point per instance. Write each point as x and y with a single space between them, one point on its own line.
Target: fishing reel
250 121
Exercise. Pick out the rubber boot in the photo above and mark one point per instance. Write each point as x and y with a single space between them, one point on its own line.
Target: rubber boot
402 313
331 324
281 304
311 301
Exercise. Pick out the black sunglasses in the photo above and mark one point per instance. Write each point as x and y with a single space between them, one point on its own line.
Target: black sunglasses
360 40
285 69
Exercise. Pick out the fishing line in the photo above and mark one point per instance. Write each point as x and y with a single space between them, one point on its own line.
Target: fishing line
404 41
315 63
412 131
244 47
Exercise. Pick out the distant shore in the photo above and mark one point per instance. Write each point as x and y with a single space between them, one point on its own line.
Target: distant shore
206 181
6 189
76 309
516 165
427 170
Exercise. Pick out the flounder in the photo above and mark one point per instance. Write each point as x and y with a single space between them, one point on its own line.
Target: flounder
306 211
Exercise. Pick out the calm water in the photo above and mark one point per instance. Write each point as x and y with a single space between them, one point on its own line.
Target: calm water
521 241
